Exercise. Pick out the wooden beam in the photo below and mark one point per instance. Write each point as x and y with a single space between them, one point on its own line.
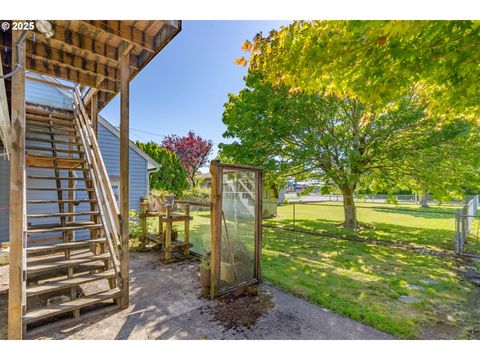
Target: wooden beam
77 76
258 224
69 39
124 174
122 31
215 226
17 283
39 50
88 96
94 113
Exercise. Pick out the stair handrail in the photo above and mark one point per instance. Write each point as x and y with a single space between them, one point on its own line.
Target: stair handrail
107 204
111 233
96 148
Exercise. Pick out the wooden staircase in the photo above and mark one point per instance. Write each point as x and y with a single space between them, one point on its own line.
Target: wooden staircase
72 223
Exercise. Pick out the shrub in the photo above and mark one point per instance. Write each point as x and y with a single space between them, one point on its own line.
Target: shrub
135 229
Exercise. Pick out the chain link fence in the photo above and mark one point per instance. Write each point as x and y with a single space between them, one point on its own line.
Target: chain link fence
434 227
467 227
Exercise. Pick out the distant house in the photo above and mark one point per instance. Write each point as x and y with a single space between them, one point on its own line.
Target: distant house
141 165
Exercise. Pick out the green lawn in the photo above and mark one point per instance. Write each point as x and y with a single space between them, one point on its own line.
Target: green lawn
364 282
433 227
472 245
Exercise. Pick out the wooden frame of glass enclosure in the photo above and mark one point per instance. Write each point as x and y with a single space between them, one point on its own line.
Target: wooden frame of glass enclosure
248 228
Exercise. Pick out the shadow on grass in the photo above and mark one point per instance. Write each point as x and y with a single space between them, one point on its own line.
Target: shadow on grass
437 239
364 281
418 213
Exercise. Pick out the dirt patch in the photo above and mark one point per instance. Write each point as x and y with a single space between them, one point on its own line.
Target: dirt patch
235 312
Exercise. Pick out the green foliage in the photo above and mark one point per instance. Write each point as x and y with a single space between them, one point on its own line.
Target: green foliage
205 263
197 192
377 62
346 142
134 226
171 175
160 193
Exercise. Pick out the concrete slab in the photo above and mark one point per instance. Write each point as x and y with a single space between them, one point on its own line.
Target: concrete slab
166 303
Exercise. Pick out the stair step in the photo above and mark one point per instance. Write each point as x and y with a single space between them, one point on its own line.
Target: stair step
44 125
60 201
58 150
49 166
49 121
55 285
57 178
36 155
73 143
65 214
68 227
35 250
68 306
51 133
40 157
49 114
60 189
48 264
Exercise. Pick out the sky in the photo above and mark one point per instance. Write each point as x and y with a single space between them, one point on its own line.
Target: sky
186 85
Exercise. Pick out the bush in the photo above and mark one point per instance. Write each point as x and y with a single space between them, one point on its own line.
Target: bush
197 193
135 229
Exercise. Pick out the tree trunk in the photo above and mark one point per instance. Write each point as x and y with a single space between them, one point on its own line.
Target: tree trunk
349 207
424 200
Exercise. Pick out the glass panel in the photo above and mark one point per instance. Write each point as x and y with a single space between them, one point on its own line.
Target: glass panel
200 237
237 252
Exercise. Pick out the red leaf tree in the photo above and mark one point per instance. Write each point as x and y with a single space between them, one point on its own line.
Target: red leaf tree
191 150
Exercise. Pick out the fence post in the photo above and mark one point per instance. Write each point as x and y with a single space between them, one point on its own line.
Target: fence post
457 232
293 216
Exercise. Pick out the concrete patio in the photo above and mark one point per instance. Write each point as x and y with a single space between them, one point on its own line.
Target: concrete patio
166 303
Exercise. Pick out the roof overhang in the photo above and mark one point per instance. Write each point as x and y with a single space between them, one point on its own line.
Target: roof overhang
87 52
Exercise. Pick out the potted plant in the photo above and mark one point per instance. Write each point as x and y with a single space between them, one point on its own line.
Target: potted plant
205 271
152 203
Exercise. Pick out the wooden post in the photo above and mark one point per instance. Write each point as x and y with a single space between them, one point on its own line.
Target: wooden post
124 171
143 223
94 112
17 282
215 226
186 251
258 224
168 235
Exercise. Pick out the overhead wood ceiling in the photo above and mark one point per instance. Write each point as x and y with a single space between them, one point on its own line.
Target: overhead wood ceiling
86 52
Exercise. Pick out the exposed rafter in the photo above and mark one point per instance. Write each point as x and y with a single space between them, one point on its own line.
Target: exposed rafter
88 52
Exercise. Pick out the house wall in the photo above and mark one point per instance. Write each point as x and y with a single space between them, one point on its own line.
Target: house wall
138 167
110 149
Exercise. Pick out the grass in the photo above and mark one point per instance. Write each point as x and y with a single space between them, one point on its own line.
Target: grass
364 282
432 227
472 245
199 229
